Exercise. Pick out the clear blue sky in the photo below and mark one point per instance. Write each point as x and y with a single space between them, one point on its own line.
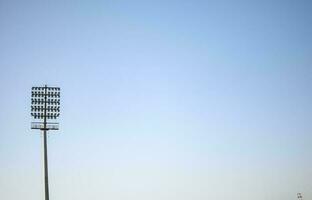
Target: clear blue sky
161 100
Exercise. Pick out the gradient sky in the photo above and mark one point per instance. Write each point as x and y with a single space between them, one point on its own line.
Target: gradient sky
161 100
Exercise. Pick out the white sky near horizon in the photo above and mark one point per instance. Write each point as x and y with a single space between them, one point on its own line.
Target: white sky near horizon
188 100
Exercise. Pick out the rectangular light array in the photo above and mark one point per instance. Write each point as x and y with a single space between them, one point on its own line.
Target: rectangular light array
45 99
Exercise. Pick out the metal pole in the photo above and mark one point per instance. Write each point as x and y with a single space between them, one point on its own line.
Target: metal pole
45 146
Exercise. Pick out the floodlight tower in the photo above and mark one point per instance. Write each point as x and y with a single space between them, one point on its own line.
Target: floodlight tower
299 196
45 105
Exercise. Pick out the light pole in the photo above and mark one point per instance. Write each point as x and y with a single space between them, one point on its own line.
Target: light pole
45 105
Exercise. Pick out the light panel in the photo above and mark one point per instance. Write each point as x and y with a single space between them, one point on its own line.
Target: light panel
45 100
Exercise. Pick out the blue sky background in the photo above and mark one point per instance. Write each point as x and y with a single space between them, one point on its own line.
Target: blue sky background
160 99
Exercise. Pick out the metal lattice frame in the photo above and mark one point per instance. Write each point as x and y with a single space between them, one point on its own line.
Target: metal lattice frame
45 99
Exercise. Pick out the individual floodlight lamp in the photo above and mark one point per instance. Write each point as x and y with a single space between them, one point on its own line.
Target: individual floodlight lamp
299 196
45 106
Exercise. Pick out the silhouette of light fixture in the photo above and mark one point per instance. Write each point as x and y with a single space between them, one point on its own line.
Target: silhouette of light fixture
45 105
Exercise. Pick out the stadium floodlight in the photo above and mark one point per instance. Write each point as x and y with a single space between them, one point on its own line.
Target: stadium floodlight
45 105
